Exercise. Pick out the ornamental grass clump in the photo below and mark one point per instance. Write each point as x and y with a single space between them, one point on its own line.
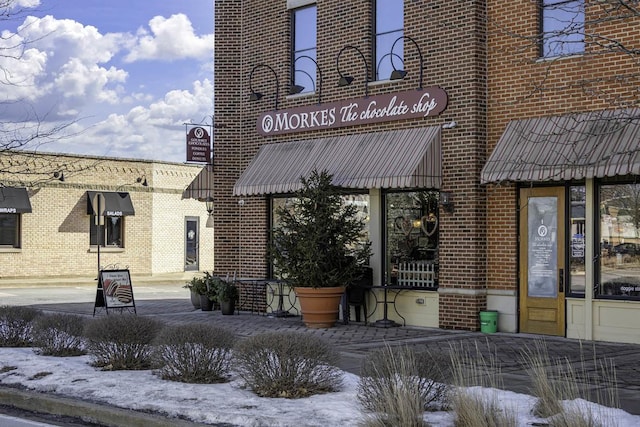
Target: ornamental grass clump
16 325
59 334
288 365
398 384
476 377
119 342
194 353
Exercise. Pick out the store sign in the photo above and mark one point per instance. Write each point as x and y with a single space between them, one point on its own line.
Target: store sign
543 247
430 101
8 210
198 145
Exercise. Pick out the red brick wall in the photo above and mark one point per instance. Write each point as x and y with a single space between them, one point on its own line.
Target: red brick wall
522 86
451 39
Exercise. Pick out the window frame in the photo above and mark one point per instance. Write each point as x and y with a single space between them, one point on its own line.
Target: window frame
543 39
598 286
310 51
94 229
386 262
17 231
378 60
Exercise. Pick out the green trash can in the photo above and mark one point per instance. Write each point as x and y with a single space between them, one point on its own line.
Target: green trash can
489 321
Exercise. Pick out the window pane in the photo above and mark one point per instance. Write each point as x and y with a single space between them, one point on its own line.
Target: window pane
385 66
360 201
619 241
562 28
389 15
9 231
389 25
304 48
111 232
411 237
113 225
576 259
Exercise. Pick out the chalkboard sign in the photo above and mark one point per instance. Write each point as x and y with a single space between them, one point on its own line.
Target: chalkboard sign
114 290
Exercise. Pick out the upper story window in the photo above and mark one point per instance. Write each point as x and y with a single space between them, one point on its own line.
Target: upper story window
562 28
10 230
389 26
303 55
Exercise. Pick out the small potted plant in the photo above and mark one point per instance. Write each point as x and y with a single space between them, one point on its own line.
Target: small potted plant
194 295
227 295
318 248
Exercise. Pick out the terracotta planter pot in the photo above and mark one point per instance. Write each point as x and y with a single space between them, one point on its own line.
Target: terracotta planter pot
320 306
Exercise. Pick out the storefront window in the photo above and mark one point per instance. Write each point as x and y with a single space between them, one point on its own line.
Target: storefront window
619 266
577 244
360 201
412 239
111 231
10 230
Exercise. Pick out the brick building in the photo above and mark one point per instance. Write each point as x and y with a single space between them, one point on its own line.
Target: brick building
563 136
47 221
303 84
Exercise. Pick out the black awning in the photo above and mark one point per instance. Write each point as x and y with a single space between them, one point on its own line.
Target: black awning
116 203
14 200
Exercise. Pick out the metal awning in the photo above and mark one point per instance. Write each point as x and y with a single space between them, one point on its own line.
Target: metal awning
116 203
202 185
574 146
408 158
14 200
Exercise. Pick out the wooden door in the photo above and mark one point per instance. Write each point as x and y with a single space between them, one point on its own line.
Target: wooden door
542 259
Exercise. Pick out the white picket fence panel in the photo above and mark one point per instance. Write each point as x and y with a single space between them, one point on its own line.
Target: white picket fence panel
416 274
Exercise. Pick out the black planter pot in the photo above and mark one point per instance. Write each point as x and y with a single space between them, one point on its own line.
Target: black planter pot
227 307
195 299
205 303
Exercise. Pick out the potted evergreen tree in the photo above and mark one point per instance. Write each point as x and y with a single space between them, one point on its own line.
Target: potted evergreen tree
318 248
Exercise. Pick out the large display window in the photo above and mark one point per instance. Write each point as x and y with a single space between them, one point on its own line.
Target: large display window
619 266
411 239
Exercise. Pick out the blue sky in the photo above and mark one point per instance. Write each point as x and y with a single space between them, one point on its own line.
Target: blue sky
128 73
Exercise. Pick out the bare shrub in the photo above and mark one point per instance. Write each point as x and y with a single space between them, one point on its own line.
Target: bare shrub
16 325
59 334
122 341
194 353
288 364
399 384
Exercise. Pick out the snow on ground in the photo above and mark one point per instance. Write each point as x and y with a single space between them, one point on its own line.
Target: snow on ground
229 402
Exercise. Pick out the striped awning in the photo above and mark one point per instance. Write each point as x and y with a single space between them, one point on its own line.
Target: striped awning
574 146
408 158
14 200
202 185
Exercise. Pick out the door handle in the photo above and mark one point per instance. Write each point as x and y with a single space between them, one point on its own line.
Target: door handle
561 280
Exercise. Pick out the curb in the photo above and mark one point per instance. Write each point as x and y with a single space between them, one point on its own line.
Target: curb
88 412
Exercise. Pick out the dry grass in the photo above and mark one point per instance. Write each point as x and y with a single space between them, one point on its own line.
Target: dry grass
557 380
472 409
397 385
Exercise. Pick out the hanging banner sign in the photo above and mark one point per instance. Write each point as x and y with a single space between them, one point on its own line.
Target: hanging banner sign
429 101
198 145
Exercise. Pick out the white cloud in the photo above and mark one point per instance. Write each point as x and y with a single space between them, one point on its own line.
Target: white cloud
153 132
171 38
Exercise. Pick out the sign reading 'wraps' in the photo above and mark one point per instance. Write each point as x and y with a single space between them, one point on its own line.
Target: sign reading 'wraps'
429 101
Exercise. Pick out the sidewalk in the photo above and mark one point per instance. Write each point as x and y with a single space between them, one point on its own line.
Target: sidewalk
170 303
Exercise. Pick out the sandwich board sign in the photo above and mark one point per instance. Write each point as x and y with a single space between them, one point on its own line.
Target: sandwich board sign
114 291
